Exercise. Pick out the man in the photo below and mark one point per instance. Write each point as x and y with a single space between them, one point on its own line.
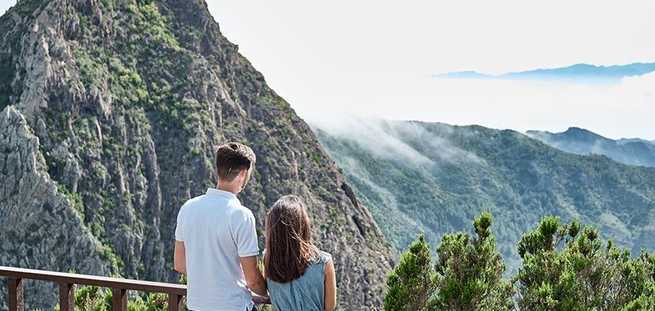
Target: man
216 242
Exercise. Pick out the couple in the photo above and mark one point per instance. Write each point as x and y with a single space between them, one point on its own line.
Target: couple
216 247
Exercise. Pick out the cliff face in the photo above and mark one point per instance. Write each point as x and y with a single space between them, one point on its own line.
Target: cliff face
121 103
37 218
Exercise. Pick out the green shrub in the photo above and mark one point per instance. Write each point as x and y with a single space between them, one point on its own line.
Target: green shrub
564 267
92 298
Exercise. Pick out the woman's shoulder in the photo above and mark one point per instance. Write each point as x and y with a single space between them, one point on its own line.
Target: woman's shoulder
323 257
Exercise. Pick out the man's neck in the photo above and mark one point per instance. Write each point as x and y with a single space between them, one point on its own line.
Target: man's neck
227 187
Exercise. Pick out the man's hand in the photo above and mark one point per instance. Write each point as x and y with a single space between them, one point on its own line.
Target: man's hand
179 258
254 278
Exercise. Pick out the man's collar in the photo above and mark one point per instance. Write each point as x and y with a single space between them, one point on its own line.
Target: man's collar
221 193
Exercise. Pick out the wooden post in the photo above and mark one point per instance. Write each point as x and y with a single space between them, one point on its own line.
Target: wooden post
15 294
175 302
66 295
119 299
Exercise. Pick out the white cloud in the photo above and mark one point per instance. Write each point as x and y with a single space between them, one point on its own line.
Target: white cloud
376 58
395 141
610 110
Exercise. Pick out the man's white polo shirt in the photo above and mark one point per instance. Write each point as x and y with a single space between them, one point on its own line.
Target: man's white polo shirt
216 230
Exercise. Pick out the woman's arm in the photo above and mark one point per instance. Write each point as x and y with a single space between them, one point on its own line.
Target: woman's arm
330 286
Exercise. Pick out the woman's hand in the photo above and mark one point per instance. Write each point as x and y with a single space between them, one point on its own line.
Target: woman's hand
261 300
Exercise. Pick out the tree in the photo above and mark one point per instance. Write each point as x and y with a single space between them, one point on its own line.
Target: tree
470 271
467 275
566 267
411 283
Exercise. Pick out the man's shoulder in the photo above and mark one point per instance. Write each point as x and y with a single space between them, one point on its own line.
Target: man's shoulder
237 209
193 201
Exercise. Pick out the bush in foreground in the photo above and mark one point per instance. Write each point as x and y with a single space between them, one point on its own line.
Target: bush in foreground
564 267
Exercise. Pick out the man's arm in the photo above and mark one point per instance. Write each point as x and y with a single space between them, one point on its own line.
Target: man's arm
179 258
254 277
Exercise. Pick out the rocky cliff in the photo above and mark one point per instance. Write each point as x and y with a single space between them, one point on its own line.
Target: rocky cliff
111 110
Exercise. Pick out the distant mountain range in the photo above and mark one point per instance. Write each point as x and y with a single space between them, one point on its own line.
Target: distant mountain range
578 72
434 178
580 141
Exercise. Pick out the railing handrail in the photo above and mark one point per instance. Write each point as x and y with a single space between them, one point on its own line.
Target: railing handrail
67 282
94 280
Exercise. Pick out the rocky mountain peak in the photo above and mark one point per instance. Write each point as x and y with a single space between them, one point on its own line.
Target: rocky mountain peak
127 100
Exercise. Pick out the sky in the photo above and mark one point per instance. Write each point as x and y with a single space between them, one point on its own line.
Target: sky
376 58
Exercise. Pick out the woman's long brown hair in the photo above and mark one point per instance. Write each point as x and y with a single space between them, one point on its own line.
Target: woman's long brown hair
289 246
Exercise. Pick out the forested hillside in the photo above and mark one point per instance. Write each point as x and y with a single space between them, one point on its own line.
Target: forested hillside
580 141
434 178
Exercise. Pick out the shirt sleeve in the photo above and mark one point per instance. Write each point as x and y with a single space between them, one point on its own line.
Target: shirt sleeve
179 228
244 233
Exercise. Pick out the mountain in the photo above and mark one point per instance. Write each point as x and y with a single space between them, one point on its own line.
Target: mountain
435 178
577 72
580 141
110 112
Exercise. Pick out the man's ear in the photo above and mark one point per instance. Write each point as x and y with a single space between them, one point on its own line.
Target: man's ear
243 175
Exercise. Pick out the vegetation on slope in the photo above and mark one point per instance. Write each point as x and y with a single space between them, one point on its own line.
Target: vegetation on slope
427 177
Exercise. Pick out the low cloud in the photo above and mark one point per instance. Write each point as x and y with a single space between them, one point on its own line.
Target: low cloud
398 141
624 109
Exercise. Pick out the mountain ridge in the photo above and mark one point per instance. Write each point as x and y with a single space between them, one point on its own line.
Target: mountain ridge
581 72
631 151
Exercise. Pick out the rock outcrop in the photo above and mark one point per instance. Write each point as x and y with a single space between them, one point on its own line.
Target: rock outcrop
38 217
123 103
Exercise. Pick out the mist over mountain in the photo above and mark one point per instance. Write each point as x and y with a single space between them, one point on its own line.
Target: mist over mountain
580 141
433 178
577 72
110 113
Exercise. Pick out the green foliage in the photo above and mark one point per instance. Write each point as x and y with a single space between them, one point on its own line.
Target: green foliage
470 271
467 275
108 254
91 298
411 283
74 198
566 267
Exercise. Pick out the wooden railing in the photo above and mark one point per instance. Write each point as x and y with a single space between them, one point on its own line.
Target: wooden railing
67 282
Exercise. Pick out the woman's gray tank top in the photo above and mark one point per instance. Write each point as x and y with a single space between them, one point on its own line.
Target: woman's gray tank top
306 293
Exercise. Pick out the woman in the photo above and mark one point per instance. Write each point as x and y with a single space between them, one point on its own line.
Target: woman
299 276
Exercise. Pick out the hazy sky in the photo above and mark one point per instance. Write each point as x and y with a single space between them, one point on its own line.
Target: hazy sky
377 58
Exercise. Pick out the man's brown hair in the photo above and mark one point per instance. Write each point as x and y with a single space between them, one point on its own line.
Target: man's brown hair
232 158
289 246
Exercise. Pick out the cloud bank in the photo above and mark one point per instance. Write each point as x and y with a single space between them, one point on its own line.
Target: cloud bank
611 110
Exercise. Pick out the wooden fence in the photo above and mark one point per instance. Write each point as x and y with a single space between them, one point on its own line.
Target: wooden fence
67 282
